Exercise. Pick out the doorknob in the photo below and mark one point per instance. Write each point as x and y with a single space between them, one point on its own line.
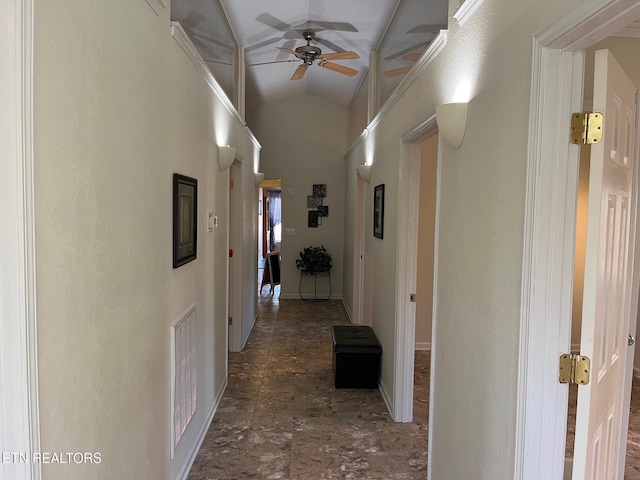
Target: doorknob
631 340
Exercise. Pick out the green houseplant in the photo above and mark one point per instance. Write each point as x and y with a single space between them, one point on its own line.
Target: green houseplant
314 260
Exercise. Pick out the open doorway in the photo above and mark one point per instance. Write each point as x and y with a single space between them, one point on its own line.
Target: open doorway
417 220
625 50
269 236
424 278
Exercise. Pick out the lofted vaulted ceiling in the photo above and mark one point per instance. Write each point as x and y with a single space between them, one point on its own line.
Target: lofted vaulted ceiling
270 30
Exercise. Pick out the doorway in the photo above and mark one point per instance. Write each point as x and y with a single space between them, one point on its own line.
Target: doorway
625 51
418 155
269 233
552 185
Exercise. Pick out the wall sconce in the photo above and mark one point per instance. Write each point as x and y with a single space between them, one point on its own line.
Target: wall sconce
259 178
226 156
364 172
452 121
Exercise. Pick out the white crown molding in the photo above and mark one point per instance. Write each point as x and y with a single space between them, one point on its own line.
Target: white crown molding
187 46
157 5
466 10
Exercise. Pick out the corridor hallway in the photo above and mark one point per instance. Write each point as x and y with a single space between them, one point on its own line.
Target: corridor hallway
281 416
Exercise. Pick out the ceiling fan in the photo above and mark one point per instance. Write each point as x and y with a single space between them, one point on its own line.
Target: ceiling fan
310 55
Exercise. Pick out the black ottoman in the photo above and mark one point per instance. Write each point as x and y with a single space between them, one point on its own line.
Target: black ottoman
356 357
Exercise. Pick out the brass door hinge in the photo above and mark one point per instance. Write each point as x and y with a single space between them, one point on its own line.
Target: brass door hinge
586 128
230 184
574 368
230 320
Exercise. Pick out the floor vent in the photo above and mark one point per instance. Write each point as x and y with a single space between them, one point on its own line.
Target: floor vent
183 374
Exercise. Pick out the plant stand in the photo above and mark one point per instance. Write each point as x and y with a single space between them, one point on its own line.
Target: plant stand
325 274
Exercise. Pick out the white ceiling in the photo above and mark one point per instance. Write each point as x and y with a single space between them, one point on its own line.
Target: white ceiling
340 25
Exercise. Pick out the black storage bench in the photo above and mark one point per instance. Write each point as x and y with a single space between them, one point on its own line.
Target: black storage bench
356 357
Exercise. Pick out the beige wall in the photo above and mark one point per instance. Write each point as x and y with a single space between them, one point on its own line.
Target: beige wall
426 232
304 140
480 240
118 109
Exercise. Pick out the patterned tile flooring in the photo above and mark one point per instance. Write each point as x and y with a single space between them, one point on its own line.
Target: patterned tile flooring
281 416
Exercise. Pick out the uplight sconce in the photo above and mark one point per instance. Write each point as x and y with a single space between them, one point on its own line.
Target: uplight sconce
226 156
452 121
259 178
364 172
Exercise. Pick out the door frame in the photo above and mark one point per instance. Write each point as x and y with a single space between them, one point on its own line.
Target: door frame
19 410
406 270
358 254
549 230
235 242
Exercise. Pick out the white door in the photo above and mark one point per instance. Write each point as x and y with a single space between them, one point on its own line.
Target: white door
601 426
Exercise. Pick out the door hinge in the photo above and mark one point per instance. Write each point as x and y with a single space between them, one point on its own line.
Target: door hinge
230 184
574 368
586 128
230 320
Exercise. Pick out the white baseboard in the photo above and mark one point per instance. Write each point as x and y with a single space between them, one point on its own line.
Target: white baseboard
423 346
184 471
348 310
250 329
295 296
387 399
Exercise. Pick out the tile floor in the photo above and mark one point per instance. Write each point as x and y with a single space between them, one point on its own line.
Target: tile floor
281 416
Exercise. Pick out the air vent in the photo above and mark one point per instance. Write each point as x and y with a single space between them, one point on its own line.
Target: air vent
183 374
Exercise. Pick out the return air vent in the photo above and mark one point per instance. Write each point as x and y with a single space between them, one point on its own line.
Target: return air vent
183 374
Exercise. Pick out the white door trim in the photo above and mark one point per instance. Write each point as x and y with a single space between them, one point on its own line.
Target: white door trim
358 251
406 261
235 241
549 230
19 416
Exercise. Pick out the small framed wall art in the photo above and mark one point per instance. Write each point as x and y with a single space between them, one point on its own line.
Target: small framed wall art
185 214
378 211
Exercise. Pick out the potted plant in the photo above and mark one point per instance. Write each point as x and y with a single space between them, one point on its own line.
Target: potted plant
314 260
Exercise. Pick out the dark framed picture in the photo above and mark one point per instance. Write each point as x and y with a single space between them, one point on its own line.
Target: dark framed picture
378 211
185 214
320 190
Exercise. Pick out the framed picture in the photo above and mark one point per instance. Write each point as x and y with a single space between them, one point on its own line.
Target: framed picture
320 190
378 211
185 213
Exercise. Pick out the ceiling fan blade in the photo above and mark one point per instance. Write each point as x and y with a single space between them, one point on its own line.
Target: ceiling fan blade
269 63
427 29
264 43
407 50
193 19
340 56
299 73
412 57
273 22
337 26
288 50
330 45
289 46
339 68
397 72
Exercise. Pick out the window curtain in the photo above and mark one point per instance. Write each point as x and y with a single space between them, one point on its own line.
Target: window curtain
275 215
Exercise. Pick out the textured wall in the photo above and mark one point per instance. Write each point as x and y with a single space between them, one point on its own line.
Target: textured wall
304 140
119 109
